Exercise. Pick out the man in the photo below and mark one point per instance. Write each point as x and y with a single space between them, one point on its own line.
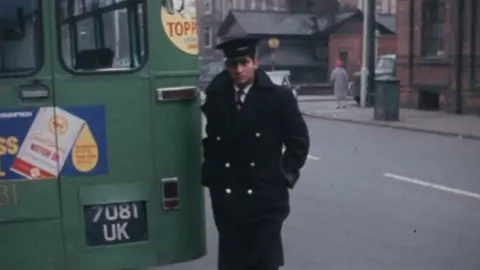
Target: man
249 120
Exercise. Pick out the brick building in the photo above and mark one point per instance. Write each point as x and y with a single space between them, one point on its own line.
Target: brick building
438 54
346 39
213 12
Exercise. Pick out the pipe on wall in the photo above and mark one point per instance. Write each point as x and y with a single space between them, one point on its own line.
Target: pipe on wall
459 56
411 44
473 43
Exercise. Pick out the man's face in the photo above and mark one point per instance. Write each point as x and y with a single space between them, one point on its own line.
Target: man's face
242 71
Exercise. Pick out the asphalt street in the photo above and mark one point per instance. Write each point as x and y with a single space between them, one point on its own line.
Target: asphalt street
377 198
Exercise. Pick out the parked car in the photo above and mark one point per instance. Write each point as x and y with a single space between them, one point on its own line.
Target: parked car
282 77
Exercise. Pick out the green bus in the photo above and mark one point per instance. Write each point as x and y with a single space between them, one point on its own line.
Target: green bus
100 135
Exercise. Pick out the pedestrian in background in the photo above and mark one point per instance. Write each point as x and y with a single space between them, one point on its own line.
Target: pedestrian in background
339 78
249 120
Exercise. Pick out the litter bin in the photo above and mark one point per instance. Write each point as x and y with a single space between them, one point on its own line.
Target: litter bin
387 98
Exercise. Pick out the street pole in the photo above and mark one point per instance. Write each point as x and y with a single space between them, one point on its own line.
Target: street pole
372 26
364 70
273 59
377 44
117 34
273 44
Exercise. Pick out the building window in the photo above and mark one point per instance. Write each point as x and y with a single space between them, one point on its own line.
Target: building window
208 6
207 37
433 28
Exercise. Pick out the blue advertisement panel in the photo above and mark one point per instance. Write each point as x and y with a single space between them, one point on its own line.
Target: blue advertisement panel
48 142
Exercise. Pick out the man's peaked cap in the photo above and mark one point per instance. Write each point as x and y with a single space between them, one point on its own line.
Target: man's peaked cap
239 47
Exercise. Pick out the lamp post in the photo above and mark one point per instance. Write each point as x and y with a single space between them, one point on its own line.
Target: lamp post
377 44
368 65
364 70
273 44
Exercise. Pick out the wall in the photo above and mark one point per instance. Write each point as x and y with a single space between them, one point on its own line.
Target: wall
438 75
388 44
349 38
211 19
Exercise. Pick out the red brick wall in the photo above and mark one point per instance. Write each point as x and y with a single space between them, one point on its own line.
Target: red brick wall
440 74
349 38
349 43
387 45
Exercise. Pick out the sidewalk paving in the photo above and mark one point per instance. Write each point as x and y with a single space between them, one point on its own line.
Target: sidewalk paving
315 98
466 126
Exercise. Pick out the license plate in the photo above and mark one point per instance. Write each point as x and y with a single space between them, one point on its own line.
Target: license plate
111 224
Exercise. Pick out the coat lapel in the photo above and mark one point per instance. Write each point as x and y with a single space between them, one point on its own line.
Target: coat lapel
233 122
245 116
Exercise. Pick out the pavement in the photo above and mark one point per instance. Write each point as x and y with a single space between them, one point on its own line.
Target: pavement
465 126
375 198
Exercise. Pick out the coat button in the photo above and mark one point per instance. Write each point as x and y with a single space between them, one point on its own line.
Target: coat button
227 165
249 192
252 164
257 134
228 191
218 138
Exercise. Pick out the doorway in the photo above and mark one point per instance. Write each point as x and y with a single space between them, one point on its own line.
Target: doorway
344 57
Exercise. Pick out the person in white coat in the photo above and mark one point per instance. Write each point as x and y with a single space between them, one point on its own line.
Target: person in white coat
339 78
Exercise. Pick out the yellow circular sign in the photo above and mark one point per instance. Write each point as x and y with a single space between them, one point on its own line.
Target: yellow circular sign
273 43
179 20
58 125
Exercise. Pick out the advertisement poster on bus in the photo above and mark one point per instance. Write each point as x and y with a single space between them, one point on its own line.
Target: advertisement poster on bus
179 20
46 142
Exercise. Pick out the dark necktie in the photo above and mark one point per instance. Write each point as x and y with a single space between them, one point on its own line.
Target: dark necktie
238 98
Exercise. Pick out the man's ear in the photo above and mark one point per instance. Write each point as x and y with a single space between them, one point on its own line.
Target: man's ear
256 62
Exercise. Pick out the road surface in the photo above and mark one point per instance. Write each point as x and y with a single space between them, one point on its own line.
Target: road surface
376 198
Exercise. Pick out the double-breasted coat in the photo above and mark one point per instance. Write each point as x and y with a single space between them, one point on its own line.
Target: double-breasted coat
245 170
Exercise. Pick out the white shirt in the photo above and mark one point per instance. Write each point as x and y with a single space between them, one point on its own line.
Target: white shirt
245 91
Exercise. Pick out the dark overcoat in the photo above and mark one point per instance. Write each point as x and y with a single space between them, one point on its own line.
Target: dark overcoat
247 172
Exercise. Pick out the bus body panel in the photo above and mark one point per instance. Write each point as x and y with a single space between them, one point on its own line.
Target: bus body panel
30 208
128 153
128 191
174 64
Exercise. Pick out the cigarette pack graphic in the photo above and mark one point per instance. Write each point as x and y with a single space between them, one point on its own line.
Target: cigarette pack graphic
38 156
